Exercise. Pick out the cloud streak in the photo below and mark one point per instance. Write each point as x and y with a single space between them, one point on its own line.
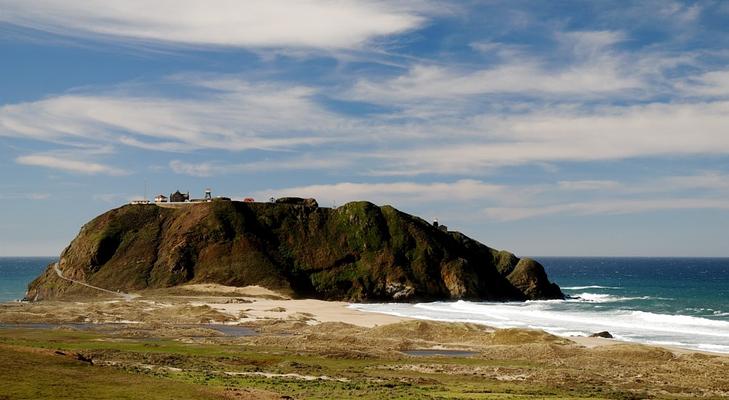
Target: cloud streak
244 116
69 165
593 70
465 190
485 201
226 23
206 169
25 196
557 135
605 207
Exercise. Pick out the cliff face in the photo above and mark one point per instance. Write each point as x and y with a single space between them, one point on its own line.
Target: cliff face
357 252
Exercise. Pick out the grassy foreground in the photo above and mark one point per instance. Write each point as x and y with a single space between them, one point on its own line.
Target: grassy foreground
34 373
54 364
170 354
67 364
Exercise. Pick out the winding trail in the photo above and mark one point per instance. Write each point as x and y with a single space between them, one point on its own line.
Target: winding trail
125 296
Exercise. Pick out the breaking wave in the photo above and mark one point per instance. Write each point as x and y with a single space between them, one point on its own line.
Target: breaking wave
567 318
608 298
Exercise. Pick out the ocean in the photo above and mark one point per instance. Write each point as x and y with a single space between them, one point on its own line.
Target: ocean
17 272
682 302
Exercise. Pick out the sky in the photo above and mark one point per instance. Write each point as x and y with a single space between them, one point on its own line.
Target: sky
552 128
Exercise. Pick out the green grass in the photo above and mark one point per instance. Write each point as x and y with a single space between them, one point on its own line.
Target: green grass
28 375
30 370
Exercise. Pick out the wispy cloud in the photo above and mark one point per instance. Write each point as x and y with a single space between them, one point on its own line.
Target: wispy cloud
226 23
205 169
465 190
591 68
564 134
605 207
588 185
24 196
706 180
476 200
64 163
272 117
708 84
707 190
230 115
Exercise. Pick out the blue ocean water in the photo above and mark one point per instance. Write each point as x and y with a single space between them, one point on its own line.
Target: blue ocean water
17 272
682 302
697 287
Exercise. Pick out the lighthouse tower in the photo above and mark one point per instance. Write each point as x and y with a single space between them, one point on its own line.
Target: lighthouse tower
208 194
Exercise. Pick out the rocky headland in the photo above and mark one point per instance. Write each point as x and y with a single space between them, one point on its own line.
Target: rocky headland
356 252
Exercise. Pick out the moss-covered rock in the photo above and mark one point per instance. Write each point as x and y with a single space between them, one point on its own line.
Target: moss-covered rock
357 252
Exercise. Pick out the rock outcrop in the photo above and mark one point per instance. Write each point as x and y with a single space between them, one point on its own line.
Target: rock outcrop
357 252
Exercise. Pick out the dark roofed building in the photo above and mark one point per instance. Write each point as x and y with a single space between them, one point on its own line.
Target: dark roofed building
178 197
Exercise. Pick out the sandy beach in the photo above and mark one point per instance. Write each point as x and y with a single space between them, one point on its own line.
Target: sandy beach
263 304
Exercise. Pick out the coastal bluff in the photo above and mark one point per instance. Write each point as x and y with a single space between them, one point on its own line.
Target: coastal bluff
356 252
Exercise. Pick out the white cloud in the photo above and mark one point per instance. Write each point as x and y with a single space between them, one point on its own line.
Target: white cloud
553 135
707 190
194 169
234 115
590 45
252 23
679 11
523 78
709 84
69 165
605 207
227 114
590 69
707 180
474 200
205 169
588 185
466 190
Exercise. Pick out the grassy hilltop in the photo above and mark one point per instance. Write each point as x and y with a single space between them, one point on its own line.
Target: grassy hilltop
357 252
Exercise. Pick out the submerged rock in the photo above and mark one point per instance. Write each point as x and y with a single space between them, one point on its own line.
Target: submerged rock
356 252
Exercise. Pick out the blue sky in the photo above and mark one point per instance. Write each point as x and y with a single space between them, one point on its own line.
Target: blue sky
545 128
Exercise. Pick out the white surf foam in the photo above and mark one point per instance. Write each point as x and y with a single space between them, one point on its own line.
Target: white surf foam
589 287
565 318
607 298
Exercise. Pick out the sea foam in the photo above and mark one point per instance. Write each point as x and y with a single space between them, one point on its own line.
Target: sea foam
567 319
590 287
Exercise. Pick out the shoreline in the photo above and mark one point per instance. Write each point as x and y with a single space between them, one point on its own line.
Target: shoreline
255 304
344 312
585 341
566 323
